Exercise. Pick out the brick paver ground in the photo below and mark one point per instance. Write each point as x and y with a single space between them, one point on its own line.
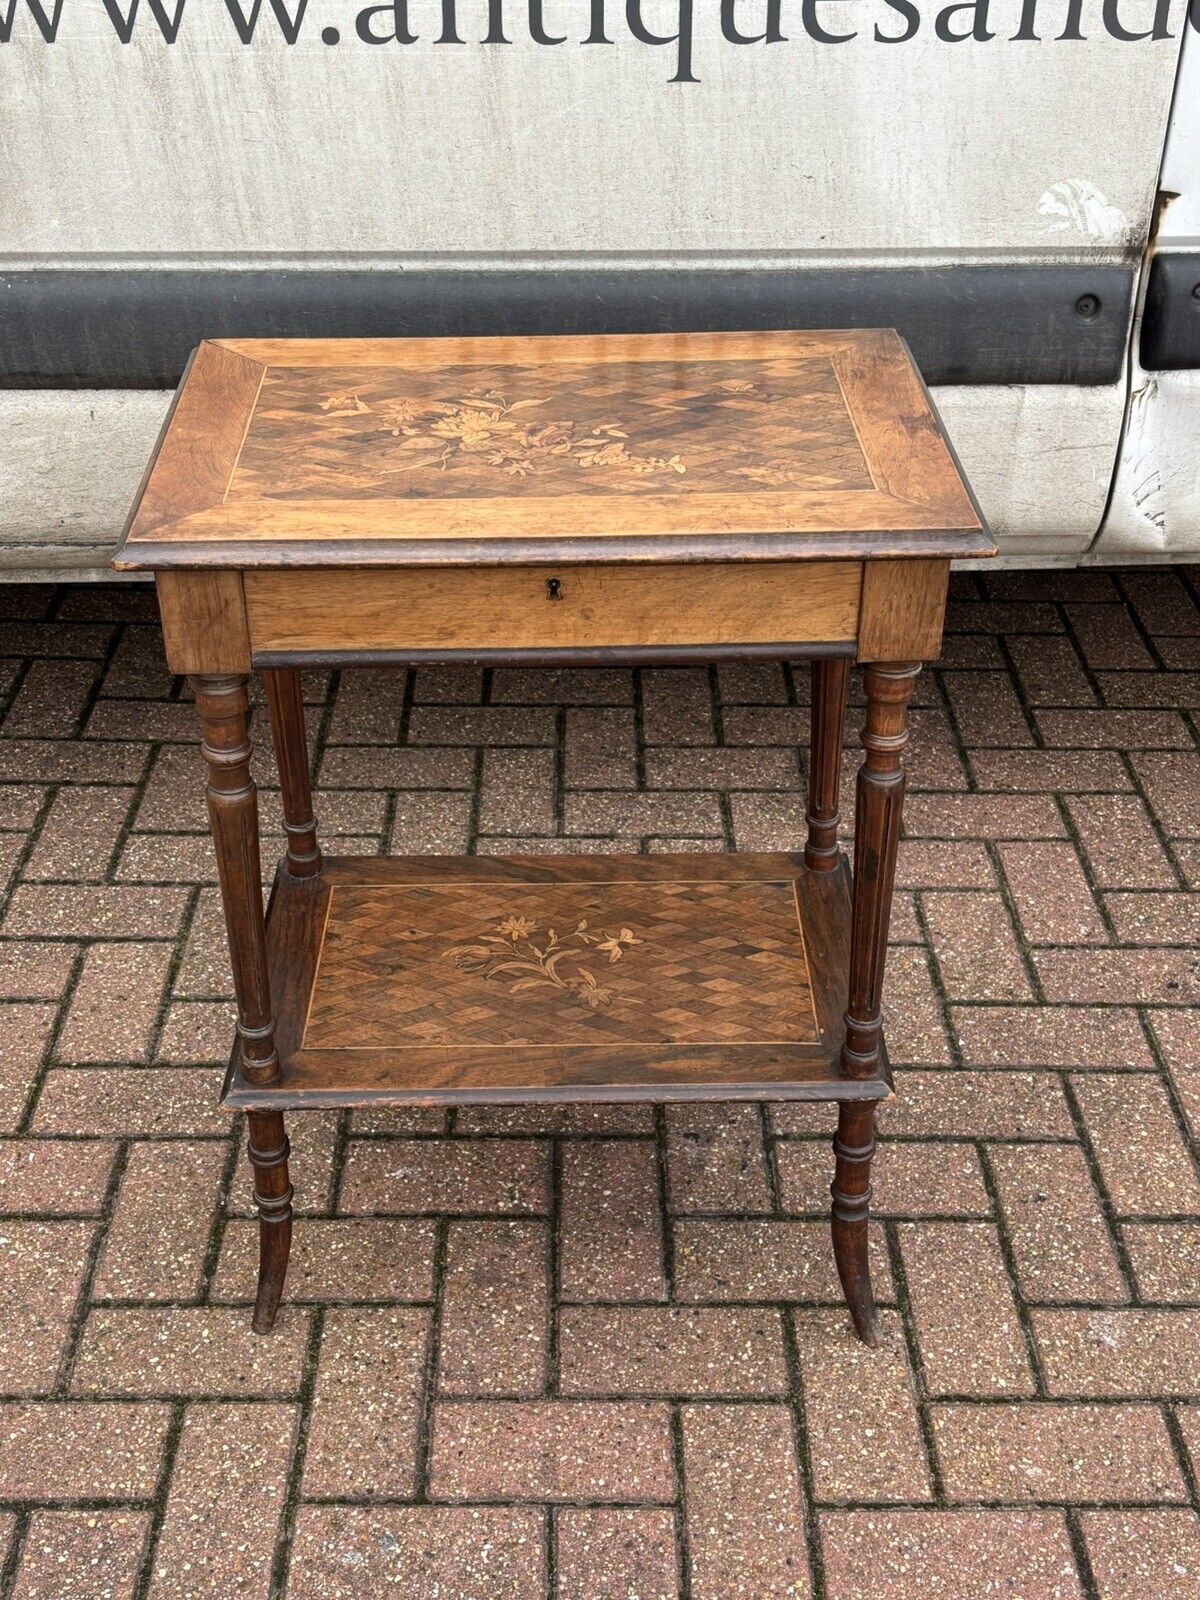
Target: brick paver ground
599 1354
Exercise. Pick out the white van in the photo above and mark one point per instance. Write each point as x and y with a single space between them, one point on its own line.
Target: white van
1023 203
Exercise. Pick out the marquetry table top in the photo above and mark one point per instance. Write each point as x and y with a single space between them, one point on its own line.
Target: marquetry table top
721 447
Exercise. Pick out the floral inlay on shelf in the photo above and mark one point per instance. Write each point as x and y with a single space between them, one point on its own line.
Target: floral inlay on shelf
504 433
512 955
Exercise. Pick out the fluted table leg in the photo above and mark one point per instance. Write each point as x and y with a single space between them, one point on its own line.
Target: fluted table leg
286 705
829 679
880 794
233 813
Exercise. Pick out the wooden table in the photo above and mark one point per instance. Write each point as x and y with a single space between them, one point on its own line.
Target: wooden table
584 500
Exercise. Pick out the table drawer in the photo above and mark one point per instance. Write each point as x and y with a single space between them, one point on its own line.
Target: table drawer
552 608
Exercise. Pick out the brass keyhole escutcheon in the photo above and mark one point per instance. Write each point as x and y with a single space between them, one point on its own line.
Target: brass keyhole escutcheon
553 588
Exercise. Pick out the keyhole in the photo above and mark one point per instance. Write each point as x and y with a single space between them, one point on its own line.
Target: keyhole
553 589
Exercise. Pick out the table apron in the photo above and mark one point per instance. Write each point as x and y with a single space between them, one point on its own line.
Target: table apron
566 608
880 610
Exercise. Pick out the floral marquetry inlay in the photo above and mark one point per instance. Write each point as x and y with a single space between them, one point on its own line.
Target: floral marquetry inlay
678 962
495 428
777 424
516 954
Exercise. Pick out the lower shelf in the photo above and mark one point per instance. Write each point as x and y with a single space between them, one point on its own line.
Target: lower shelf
451 980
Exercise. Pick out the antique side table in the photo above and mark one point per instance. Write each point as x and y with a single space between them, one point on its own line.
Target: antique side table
647 499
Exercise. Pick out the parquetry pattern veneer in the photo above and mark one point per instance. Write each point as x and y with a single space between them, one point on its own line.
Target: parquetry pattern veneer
551 966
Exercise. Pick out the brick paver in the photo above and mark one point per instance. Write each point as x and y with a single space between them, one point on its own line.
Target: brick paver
578 1353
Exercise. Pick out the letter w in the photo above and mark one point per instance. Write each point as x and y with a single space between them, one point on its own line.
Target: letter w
47 25
124 22
289 26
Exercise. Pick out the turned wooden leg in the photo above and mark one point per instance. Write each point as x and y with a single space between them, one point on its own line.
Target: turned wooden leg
233 813
829 680
286 705
853 1147
880 794
879 797
268 1150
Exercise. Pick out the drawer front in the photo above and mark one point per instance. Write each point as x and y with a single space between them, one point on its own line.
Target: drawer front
548 608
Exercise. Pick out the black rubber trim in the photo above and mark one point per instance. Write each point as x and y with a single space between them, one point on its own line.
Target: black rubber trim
134 329
1171 319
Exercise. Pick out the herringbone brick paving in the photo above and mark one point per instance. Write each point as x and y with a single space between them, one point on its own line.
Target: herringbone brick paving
599 1354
